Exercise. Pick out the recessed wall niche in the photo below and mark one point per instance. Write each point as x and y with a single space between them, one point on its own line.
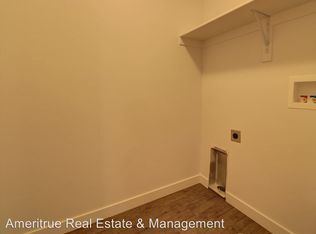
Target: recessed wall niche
302 92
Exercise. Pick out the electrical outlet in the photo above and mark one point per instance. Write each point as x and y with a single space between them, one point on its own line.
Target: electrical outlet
235 136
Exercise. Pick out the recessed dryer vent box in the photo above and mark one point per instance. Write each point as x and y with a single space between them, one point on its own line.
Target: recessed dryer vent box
218 171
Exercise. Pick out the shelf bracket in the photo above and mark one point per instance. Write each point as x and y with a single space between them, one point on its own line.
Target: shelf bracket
187 42
264 23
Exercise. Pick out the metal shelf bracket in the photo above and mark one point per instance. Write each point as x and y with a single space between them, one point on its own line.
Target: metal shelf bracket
264 23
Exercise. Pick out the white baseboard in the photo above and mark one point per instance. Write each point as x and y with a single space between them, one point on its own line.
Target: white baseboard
256 215
203 180
149 196
127 204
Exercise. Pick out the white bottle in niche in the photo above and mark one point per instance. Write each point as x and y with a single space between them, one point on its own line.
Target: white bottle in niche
313 99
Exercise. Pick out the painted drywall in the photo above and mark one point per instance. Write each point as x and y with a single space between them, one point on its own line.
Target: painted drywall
214 8
98 103
273 169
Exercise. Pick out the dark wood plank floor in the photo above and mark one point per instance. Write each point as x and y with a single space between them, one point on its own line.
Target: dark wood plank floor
193 203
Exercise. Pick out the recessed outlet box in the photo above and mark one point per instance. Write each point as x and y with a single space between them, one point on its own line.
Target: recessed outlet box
235 136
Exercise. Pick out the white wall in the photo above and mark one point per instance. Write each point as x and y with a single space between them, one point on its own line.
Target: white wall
98 103
273 170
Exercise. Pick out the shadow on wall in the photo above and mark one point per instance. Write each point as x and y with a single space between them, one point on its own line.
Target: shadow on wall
195 52
290 47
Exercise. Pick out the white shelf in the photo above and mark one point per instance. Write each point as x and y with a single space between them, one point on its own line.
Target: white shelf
239 16
302 85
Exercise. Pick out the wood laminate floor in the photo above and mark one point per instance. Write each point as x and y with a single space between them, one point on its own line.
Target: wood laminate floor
193 203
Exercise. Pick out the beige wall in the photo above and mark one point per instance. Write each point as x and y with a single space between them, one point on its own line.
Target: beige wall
214 8
98 103
273 169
